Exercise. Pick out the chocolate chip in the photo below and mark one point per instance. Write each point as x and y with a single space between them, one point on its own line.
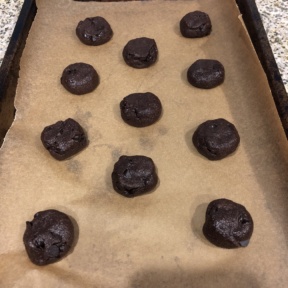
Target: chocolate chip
206 73
64 139
140 52
94 31
141 109
216 139
80 78
48 237
134 175
223 225
195 24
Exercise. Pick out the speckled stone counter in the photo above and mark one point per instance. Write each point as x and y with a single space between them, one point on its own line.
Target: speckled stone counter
9 12
274 15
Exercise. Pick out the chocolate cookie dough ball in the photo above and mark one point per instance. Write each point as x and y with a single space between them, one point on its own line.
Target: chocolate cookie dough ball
48 237
140 52
134 175
64 139
94 31
206 73
195 25
141 109
216 139
227 224
80 78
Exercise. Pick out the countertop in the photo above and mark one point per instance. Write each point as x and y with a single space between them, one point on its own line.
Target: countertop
274 14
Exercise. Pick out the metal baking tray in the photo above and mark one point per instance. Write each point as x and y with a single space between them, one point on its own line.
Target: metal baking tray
261 45
9 71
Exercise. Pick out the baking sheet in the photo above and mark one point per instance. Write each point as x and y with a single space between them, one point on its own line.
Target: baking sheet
154 240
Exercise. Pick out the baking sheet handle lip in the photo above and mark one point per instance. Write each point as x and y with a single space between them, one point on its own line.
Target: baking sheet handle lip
258 36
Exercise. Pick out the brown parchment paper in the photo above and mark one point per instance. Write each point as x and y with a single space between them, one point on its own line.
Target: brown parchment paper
154 240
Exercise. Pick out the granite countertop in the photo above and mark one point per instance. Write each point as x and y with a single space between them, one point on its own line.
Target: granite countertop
274 14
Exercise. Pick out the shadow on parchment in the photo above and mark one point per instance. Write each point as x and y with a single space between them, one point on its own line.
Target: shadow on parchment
192 279
198 221
16 266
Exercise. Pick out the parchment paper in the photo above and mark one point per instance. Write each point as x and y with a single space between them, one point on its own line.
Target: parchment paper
154 240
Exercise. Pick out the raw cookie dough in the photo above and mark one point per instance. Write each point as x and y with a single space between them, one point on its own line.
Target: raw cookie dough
141 109
195 25
48 237
64 139
134 175
140 52
80 78
227 224
206 73
94 31
216 139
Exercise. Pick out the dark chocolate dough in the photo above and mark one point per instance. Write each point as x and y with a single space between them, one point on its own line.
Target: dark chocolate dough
134 175
141 109
94 31
227 224
64 139
140 52
216 139
195 25
48 237
206 73
80 78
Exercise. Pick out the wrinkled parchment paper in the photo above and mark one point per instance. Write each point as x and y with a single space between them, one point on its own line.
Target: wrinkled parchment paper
154 240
